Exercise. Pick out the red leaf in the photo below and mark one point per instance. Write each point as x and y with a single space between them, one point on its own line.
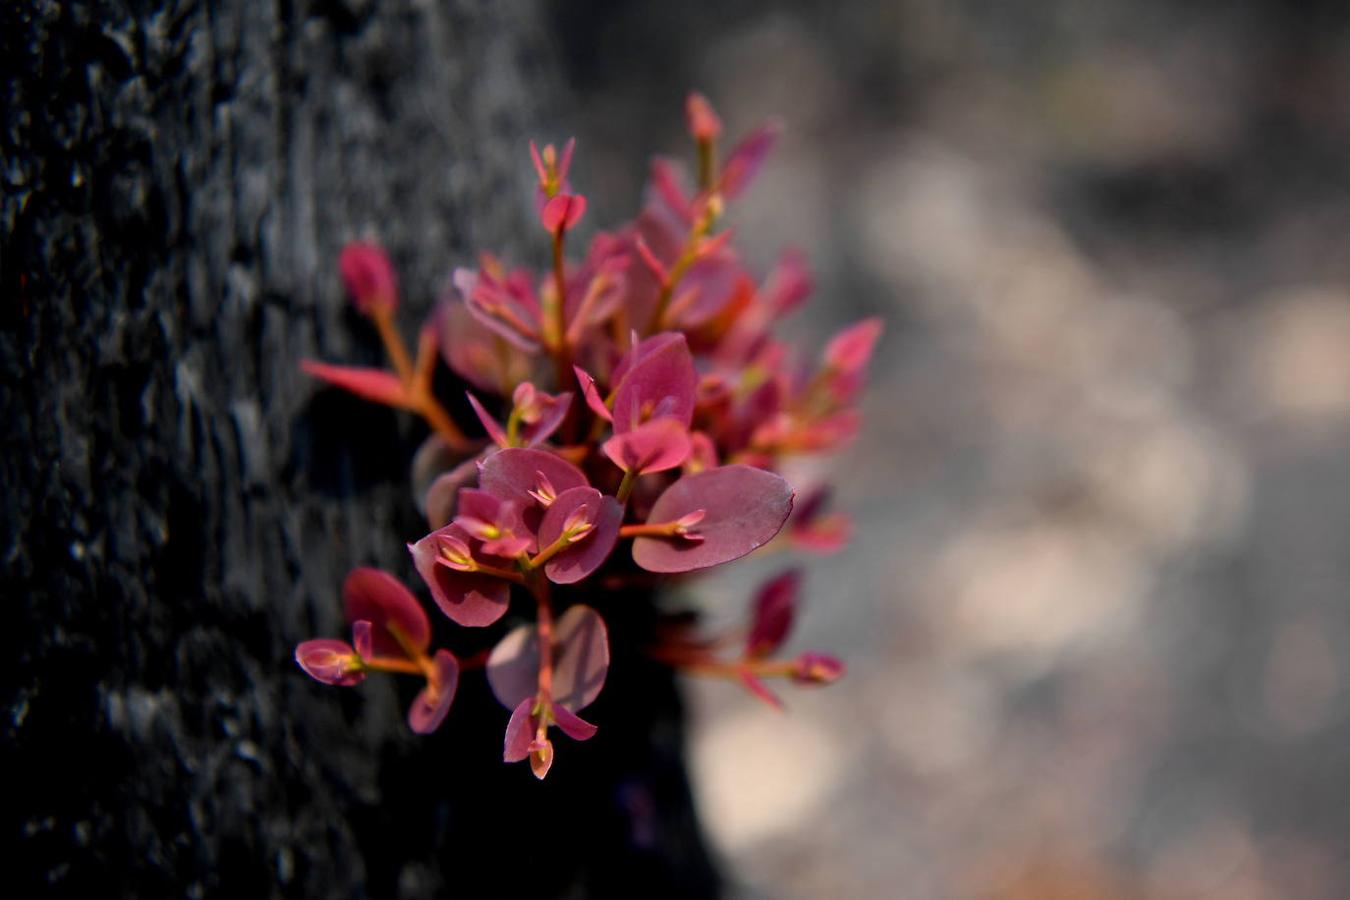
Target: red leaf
714 280
774 609
814 529
511 475
703 123
665 186
563 211
582 658
513 666
433 458
490 425
369 276
541 757
363 638
378 385
745 507
572 725
541 412
520 732
382 599
851 349
469 598
817 668
592 394
580 661
744 161
788 285
651 447
659 381
468 346
442 497
433 701
761 690
330 661
592 549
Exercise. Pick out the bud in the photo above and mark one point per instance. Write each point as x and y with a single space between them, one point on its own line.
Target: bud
817 668
541 757
369 277
330 661
363 637
703 122
562 212
543 492
455 554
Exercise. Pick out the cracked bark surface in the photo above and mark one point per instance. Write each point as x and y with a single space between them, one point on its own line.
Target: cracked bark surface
181 504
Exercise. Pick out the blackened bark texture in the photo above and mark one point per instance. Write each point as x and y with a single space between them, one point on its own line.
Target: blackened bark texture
181 504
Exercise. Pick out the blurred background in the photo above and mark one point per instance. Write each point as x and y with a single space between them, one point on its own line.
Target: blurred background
1095 608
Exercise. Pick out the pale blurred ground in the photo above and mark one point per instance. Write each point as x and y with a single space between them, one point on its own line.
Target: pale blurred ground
1096 610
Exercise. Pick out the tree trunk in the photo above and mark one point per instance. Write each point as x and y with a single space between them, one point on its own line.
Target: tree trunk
181 504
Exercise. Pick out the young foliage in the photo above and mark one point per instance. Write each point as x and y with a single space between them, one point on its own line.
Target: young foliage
634 394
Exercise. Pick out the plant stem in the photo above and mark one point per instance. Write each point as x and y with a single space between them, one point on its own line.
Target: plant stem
557 329
626 486
388 664
440 421
383 317
661 529
539 586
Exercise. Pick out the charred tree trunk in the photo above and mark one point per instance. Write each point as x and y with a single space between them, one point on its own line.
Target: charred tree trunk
181 505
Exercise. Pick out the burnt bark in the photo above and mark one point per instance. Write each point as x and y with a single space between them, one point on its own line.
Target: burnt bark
181 503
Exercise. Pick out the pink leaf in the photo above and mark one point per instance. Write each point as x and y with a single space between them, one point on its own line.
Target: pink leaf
378 385
592 394
814 529
666 187
513 666
774 609
330 661
469 598
490 425
659 381
363 638
369 276
442 496
580 661
745 507
547 414
520 731
541 757
582 658
572 725
654 266
713 280
789 284
512 474
850 349
653 446
817 668
744 161
433 701
827 432
565 161
605 514
506 309
703 123
540 169
702 453
563 212
434 457
469 347
381 599
761 690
